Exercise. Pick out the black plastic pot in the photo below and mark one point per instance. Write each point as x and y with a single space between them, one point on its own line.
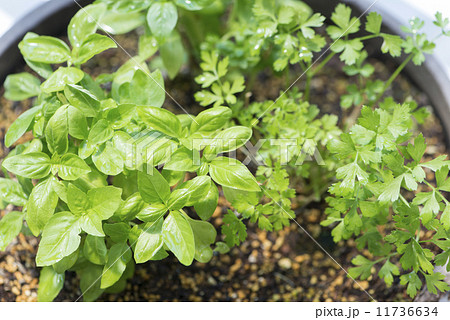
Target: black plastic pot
53 17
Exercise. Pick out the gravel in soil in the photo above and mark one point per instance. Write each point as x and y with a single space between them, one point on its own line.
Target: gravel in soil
276 266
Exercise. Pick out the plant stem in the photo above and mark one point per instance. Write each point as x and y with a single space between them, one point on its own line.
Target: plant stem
323 63
392 78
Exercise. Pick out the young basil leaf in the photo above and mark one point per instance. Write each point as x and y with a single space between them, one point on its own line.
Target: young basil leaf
228 140
84 23
21 125
162 18
59 239
118 232
152 212
66 263
121 116
10 226
93 45
12 192
89 282
211 120
108 160
72 167
60 78
21 86
173 54
50 284
95 250
148 46
35 165
231 173
153 187
130 207
192 5
196 189
118 257
57 131
179 238
204 236
83 100
77 200
183 160
41 205
43 69
150 241
78 127
45 49
161 120
206 206
145 89
121 22
100 132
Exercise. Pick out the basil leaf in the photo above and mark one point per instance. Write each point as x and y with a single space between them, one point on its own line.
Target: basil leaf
162 18
21 86
150 241
59 239
34 165
152 212
66 263
184 160
84 23
121 22
153 187
89 282
148 46
57 131
192 5
83 100
204 236
108 160
21 125
93 45
118 257
118 232
228 140
11 192
173 54
78 127
197 188
10 226
161 120
130 207
60 78
45 49
100 132
41 205
231 173
145 89
206 206
71 167
211 120
94 249
179 238
50 284
105 200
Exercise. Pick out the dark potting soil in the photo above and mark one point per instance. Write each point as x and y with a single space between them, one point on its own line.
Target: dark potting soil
268 266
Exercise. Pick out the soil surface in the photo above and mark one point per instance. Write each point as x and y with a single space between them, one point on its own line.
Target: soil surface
276 266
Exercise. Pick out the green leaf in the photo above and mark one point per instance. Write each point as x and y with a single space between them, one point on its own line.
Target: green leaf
130 207
21 125
179 238
118 257
57 131
417 150
83 100
34 165
71 167
162 18
392 44
345 24
59 239
85 23
10 226
373 24
66 263
387 271
391 190
12 192
78 127
231 173
413 281
228 140
93 45
204 236
100 132
95 250
435 282
234 229
77 200
118 232
183 160
148 46
206 206
153 187
89 282
173 54
41 205
211 120
161 120
50 284
145 89
363 269
150 241
62 77
445 218
121 22
108 160
45 49
152 212
192 5
21 86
